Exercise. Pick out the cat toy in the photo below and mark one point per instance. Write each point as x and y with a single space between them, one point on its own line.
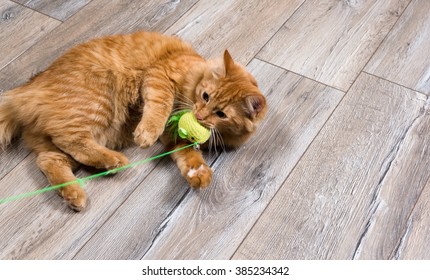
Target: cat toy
185 124
82 181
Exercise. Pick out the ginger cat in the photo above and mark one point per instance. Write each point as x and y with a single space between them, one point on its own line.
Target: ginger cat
117 90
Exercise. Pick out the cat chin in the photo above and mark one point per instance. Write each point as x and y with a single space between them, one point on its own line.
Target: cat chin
235 141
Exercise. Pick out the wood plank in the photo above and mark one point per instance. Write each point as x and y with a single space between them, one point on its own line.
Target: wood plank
415 244
330 40
12 156
20 29
212 223
149 210
58 9
112 17
241 26
149 15
401 188
327 205
42 227
141 217
404 56
57 232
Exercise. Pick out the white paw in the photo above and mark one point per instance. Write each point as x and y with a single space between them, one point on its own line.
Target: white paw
199 177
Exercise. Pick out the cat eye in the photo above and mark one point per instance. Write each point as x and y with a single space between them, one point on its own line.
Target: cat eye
205 96
221 114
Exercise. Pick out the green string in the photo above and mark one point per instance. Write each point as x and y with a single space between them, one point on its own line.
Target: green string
81 181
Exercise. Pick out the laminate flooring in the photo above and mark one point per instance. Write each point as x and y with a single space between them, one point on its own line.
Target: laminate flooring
339 169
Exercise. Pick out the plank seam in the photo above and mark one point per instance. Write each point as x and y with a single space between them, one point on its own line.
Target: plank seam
292 169
164 223
395 83
183 15
282 25
301 75
36 11
385 38
18 163
167 219
115 210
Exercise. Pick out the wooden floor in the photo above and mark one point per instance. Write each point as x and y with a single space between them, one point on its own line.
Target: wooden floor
339 169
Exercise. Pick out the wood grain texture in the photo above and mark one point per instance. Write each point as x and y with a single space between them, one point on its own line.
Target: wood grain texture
142 218
11 156
151 208
212 224
97 19
416 240
20 29
27 232
243 27
58 9
404 57
407 170
329 202
42 227
330 40
354 186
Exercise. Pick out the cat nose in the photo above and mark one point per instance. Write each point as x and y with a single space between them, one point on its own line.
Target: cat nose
199 117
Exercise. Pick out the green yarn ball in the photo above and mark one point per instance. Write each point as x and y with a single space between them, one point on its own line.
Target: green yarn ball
189 128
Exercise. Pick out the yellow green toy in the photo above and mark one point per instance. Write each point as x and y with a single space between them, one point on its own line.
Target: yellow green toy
187 127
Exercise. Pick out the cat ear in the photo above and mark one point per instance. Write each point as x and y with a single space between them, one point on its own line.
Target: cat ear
254 105
221 67
228 62
218 71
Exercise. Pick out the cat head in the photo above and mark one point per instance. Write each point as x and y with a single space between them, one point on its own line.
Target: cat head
228 101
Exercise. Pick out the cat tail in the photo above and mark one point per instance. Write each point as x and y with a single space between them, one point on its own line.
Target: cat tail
9 126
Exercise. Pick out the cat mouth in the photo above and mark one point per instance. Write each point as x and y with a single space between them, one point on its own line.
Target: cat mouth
205 124
201 121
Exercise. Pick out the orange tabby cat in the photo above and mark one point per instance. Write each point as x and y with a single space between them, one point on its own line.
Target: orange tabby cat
113 91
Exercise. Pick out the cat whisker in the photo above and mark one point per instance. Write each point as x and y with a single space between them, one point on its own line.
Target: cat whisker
184 97
211 142
182 104
216 140
184 100
179 108
221 140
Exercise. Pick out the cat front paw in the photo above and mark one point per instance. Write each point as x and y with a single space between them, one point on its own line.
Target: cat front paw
199 176
145 137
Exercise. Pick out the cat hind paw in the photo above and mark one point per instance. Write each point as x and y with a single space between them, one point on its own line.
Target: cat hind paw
75 197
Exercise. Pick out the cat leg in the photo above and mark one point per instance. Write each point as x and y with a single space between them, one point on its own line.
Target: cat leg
58 168
158 104
193 167
84 149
